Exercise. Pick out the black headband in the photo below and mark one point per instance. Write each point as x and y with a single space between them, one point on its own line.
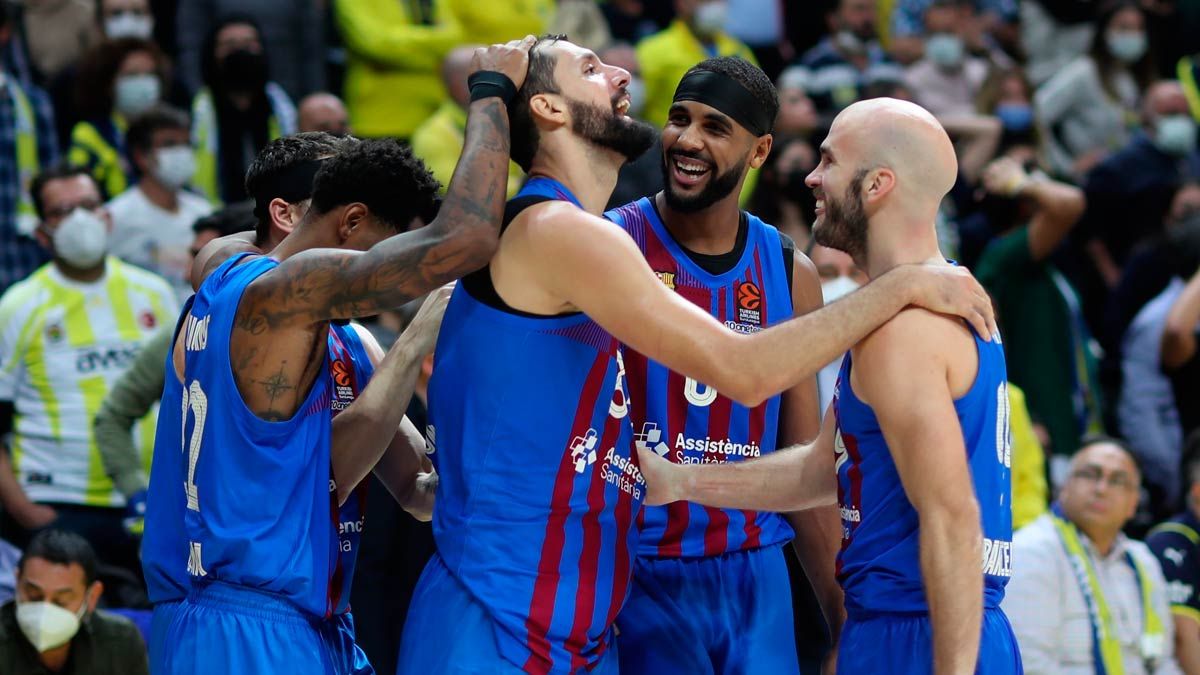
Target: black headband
726 95
293 184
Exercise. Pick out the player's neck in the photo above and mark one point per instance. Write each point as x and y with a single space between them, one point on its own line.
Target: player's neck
893 244
302 238
711 231
590 173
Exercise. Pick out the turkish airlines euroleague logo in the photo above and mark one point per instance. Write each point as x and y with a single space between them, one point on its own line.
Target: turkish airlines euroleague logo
343 380
749 303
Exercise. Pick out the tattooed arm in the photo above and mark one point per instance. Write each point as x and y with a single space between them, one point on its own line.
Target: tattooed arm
322 284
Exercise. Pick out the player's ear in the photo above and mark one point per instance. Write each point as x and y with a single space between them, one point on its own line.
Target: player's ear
761 150
548 107
353 217
878 183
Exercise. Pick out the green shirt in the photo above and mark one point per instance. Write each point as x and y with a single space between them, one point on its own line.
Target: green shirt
106 644
1047 345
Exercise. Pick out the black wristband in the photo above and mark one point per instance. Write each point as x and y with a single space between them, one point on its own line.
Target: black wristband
488 83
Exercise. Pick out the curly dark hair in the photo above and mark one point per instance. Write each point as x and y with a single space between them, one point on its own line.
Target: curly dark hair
282 154
746 74
382 174
540 80
94 86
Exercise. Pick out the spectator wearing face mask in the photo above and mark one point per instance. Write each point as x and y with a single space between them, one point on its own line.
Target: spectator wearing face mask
238 111
117 82
1129 192
1008 96
908 23
69 331
126 19
152 221
797 112
947 79
697 33
1086 110
53 626
1047 346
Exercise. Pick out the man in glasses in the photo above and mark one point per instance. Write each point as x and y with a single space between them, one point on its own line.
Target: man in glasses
67 333
1083 597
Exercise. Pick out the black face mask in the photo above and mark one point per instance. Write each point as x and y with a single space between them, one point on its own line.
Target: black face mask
244 71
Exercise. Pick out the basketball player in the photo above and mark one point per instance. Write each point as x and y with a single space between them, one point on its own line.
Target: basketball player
259 471
280 179
705 596
918 445
539 489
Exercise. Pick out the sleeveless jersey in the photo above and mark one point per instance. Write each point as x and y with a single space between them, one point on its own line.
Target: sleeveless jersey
164 547
689 422
257 511
879 565
539 486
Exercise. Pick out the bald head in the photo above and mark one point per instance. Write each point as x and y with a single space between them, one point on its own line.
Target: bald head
903 137
323 112
455 70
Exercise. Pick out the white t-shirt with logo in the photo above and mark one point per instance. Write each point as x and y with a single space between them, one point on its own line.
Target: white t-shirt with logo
155 239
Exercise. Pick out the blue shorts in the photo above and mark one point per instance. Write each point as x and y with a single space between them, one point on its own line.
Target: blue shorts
164 614
222 628
726 614
903 644
448 632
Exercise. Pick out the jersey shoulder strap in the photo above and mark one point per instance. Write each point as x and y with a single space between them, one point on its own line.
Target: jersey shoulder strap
788 248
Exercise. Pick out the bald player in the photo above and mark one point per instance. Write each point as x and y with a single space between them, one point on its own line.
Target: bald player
324 112
918 440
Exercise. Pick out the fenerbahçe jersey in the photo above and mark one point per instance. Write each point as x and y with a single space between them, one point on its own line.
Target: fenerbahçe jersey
691 423
63 344
879 565
257 510
539 488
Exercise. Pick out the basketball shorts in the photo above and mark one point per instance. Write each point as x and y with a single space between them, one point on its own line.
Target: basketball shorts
729 614
448 632
223 628
903 644
160 622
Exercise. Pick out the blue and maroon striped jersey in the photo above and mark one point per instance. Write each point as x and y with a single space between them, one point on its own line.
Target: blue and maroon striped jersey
539 487
879 565
349 371
689 422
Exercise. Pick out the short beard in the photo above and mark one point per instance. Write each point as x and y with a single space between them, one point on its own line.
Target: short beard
844 224
717 188
607 129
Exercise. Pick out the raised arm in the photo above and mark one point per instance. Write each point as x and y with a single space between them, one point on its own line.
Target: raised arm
368 429
1057 206
904 376
594 266
1179 334
323 284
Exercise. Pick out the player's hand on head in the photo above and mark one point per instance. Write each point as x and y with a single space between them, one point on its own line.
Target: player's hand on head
952 290
662 478
428 321
1004 177
511 59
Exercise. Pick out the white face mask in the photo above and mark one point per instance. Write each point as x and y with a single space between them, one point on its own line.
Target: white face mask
47 625
1176 135
81 239
174 166
710 18
837 288
136 93
1128 47
129 25
944 50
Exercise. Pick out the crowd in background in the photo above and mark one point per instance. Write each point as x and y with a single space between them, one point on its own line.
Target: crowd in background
1077 204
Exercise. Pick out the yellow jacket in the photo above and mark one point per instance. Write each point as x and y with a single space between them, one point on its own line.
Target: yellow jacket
1028 463
392 63
439 140
92 151
485 22
667 55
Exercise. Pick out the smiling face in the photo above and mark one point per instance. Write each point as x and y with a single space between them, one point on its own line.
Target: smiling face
841 217
705 155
